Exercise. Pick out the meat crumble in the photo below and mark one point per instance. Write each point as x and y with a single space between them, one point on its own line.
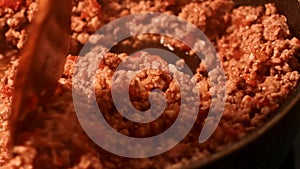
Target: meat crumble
260 58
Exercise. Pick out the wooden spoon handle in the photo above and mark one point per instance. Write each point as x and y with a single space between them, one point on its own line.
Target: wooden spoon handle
42 58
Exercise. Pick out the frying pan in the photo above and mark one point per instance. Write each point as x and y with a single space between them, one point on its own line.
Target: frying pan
267 147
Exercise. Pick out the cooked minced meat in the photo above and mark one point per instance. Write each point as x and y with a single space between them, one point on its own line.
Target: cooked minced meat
212 17
86 19
259 55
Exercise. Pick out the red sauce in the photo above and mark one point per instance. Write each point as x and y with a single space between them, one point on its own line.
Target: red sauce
6 90
13 4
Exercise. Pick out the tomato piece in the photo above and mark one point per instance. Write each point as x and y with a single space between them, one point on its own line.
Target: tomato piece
6 90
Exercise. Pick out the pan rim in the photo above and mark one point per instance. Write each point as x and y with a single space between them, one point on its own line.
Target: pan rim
284 109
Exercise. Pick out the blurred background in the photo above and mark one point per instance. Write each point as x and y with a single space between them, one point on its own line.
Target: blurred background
292 161
297 151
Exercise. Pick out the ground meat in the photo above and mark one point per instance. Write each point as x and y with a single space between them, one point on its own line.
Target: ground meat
275 27
140 87
13 33
116 9
86 19
256 59
259 55
212 17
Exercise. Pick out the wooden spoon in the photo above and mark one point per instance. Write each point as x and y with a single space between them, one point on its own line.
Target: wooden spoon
42 59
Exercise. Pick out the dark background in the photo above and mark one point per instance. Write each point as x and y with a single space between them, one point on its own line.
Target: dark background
297 151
